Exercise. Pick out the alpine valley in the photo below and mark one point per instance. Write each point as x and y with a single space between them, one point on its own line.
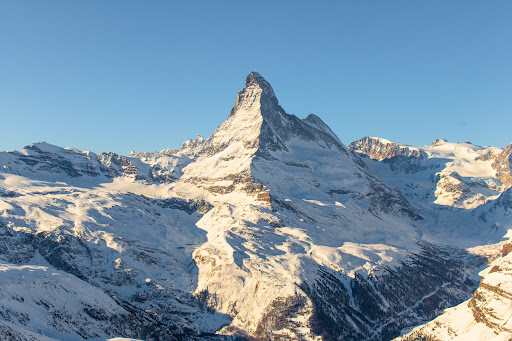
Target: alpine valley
270 229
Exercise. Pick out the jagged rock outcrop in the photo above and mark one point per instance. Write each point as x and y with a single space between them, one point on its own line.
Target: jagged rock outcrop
401 158
502 164
381 149
452 188
439 142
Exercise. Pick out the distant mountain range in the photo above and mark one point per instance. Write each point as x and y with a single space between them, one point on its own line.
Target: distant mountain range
270 229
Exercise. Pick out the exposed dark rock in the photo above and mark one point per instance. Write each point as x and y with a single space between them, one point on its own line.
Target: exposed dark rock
6 193
503 166
15 247
507 248
376 149
278 315
190 206
400 158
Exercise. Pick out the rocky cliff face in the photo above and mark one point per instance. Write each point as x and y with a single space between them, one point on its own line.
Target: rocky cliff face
502 164
381 149
269 229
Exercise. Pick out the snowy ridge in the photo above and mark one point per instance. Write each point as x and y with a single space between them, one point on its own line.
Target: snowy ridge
381 149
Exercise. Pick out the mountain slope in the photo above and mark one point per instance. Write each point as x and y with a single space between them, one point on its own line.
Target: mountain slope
457 186
486 316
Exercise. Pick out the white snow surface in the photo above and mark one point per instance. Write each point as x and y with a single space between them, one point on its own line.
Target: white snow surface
32 296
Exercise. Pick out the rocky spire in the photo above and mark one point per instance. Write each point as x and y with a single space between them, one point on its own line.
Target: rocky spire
257 96
254 79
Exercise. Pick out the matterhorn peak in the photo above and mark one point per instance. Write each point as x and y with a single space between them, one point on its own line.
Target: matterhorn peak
257 96
258 122
255 79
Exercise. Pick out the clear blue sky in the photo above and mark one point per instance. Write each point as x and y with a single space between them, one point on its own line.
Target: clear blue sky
146 75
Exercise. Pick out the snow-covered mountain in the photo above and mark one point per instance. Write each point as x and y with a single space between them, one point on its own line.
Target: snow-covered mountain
269 229
457 186
450 174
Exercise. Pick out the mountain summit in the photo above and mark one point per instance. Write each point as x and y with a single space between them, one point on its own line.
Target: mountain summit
268 148
256 84
255 79
260 123
257 96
